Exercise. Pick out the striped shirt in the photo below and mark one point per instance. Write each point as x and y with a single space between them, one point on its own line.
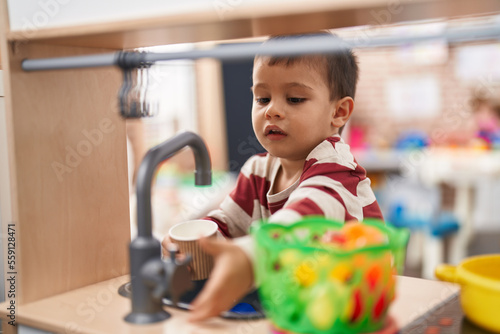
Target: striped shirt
332 184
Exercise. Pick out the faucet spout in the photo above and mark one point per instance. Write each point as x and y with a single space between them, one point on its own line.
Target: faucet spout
146 268
155 156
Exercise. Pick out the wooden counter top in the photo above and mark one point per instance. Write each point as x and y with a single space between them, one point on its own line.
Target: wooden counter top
99 309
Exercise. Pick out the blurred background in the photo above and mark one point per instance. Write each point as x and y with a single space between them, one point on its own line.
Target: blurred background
426 127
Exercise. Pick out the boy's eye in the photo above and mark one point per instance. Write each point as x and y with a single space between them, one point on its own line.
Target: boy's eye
263 100
295 100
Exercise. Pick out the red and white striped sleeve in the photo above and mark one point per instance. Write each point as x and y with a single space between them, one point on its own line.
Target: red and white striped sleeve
246 202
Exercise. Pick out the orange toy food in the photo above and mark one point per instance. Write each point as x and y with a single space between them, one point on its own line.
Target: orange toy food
354 235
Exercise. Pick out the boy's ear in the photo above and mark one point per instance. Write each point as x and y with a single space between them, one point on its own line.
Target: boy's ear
343 110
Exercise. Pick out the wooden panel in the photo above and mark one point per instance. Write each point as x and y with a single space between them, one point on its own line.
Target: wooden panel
246 18
2 91
8 329
7 192
211 114
70 188
5 203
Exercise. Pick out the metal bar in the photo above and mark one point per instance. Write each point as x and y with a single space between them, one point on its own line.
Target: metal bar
61 63
306 45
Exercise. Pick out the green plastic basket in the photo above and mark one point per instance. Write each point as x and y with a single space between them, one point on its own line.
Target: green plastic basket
308 287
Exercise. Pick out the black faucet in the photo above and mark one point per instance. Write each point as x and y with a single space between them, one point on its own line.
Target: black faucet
153 278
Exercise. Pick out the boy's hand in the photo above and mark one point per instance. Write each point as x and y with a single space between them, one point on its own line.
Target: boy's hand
231 279
165 246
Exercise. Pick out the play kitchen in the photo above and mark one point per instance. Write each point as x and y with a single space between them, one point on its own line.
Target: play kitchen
73 272
315 276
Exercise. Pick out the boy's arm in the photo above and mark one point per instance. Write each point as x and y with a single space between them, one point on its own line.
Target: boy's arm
232 220
240 208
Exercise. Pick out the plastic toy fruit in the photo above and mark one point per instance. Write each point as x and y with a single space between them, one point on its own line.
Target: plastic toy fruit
318 276
354 235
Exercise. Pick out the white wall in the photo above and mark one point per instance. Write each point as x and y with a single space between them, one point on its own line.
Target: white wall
39 14
28 15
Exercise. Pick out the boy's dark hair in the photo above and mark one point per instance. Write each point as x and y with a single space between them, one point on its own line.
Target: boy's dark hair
341 66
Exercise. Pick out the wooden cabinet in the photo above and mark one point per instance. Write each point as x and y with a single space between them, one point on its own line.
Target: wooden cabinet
69 191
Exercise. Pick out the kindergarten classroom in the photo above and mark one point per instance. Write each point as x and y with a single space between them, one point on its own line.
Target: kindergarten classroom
425 127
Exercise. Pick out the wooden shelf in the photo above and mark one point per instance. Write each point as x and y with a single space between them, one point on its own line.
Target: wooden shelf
251 19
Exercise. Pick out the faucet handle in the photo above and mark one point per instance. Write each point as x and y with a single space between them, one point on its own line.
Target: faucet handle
154 274
168 278
172 249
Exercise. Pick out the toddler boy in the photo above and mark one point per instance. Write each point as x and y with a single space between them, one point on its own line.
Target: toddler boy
300 107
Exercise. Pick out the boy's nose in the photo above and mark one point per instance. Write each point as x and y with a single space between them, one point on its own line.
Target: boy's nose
273 111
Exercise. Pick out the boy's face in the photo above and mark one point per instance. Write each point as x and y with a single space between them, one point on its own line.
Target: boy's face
291 112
